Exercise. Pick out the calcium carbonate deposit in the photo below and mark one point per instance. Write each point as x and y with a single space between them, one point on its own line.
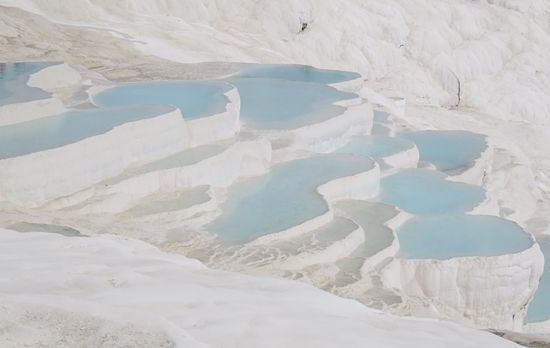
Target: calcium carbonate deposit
296 173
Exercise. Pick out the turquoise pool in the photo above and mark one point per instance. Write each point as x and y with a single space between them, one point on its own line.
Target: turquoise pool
426 192
375 146
449 236
59 130
539 308
283 198
295 72
280 104
194 98
13 82
449 151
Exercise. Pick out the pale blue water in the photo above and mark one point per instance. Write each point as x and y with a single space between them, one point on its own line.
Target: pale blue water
375 146
539 309
13 82
426 192
294 72
449 236
448 150
59 130
280 104
194 98
283 198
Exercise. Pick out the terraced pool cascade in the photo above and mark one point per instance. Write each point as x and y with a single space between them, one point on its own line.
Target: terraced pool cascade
295 72
539 308
280 104
195 99
461 235
284 198
449 151
426 192
13 82
70 127
375 146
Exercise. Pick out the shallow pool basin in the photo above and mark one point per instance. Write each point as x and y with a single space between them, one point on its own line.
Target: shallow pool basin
60 130
448 151
426 192
195 99
280 104
283 198
445 237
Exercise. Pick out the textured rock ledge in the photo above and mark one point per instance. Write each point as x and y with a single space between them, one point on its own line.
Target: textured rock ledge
484 292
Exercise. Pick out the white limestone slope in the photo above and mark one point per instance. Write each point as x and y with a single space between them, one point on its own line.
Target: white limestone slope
114 291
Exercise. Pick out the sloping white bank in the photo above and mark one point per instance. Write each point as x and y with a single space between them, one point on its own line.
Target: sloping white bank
115 291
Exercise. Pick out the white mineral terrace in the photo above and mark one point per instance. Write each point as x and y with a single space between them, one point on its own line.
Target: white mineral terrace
291 173
315 196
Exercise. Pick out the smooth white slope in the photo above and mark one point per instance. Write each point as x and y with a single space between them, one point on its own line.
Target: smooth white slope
110 291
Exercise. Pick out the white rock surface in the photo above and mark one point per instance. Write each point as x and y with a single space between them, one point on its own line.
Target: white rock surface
55 77
467 289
